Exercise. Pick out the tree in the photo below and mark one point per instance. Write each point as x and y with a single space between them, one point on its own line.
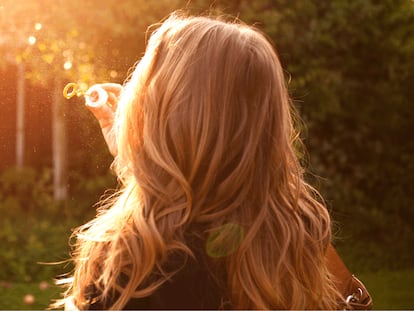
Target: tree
62 51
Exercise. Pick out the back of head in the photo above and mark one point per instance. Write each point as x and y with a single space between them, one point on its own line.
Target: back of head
214 114
205 139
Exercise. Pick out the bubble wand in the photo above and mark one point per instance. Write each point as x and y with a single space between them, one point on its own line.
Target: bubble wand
95 96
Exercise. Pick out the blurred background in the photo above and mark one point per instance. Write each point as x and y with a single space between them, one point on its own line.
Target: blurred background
350 69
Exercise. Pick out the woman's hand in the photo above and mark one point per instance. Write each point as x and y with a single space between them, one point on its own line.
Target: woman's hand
105 114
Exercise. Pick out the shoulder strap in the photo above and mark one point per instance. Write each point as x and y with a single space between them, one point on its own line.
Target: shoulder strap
352 289
342 276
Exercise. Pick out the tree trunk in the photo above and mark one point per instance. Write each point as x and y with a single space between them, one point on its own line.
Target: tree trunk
20 98
59 144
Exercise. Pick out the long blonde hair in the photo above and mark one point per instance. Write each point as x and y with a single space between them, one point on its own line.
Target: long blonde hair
205 138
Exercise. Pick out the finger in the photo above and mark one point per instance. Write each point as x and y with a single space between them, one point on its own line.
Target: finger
105 112
102 112
112 101
101 95
114 88
110 139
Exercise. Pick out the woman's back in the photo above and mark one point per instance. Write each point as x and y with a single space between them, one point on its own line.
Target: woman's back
205 147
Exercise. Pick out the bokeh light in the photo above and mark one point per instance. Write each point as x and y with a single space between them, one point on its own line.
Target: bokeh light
31 40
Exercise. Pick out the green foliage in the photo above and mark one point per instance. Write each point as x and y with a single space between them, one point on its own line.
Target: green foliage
357 57
32 228
34 231
28 231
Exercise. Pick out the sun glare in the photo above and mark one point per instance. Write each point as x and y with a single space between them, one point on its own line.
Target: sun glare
67 65
38 26
31 40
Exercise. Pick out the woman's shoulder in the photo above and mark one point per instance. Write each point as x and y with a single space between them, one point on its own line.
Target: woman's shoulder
192 287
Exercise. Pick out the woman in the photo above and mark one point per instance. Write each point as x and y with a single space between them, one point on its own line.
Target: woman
213 202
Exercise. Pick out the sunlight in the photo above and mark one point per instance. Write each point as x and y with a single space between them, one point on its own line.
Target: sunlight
38 26
67 65
31 40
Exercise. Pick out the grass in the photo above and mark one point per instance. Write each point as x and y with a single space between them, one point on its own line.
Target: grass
389 289
12 295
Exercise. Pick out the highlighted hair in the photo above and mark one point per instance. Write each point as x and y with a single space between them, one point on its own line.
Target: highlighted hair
205 139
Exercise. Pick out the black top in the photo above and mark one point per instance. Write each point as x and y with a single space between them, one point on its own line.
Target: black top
192 287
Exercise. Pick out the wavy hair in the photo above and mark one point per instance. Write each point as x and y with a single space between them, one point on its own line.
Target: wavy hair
206 138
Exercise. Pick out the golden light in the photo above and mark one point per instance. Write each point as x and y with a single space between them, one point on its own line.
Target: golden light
31 40
38 26
67 53
83 86
67 65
